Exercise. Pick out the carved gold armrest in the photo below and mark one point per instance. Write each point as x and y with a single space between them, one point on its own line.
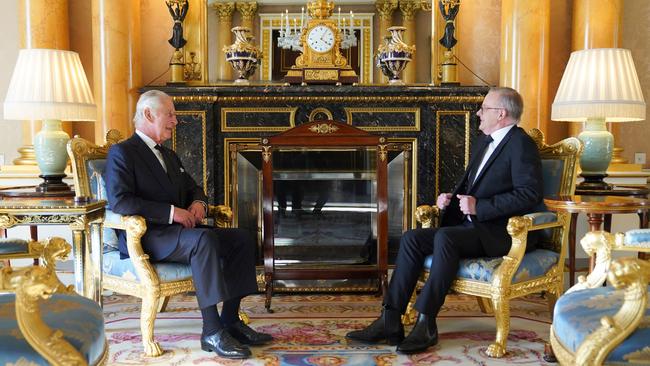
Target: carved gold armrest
33 285
632 275
598 244
135 226
222 215
424 214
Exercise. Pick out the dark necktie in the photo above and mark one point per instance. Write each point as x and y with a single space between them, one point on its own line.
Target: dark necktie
477 163
165 158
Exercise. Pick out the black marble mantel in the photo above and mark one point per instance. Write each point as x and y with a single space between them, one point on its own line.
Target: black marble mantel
442 120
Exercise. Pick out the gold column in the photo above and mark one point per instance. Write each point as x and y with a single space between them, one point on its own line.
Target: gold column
43 24
224 37
408 9
597 24
116 64
525 27
385 8
247 11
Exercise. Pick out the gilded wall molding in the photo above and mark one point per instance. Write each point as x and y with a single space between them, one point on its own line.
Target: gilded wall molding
408 9
313 115
224 10
204 162
385 9
352 99
247 10
194 98
226 127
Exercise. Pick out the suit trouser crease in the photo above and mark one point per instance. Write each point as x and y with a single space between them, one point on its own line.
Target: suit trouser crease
222 263
448 245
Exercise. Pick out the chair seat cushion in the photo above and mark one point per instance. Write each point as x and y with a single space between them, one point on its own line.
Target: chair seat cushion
13 246
534 264
638 237
578 314
80 319
167 271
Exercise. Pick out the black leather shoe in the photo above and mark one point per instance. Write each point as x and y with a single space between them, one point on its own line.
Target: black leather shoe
223 344
387 327
247 335
423 335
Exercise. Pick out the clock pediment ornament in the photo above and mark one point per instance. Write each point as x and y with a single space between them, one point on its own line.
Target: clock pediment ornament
321 60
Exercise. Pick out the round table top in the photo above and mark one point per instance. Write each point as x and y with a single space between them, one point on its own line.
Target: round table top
626 191
30 192
597 204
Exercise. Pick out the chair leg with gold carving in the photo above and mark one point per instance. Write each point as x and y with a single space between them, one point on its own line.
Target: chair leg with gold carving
552 297
485 305
502 314
410 315
162 304
244 317
147 320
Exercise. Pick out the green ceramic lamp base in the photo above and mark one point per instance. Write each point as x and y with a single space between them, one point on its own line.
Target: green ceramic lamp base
51 156
597 154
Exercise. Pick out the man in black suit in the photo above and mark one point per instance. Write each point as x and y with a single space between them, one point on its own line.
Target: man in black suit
503 179
147 179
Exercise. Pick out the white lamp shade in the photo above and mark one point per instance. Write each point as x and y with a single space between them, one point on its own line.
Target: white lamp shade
49 84
599 83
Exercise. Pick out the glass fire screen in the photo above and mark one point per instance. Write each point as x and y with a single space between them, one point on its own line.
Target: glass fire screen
324 204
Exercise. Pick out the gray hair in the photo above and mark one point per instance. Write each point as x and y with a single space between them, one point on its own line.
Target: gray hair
511 101
150 99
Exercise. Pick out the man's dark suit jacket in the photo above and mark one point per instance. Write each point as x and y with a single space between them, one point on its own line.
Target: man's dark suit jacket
509 184
137 184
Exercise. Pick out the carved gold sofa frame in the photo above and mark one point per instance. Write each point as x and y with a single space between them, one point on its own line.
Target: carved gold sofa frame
48 314
596 325
508 280
148 285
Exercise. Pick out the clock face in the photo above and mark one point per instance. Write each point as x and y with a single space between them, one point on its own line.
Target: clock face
320 38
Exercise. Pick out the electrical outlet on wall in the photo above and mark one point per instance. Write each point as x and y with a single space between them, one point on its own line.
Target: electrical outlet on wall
639 158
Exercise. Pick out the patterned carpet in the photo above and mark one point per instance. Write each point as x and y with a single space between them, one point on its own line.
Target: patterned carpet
310 329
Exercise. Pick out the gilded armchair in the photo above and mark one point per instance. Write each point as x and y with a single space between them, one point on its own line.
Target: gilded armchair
44 322
495 281
137 276
596 325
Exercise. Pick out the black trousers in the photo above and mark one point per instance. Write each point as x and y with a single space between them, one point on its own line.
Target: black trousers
222 262
448 245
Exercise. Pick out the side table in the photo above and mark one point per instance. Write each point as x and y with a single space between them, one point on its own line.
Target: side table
84 219
596 208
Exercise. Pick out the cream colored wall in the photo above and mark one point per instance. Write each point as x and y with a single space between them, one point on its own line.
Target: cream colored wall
636 37
10 131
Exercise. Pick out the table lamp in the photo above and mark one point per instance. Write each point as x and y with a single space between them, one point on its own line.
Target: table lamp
599 85
49 85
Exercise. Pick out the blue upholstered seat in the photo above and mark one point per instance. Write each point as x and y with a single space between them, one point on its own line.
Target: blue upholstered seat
578 313
124 268
80 319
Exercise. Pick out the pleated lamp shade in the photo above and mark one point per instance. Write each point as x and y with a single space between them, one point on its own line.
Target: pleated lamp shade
49 84
599 83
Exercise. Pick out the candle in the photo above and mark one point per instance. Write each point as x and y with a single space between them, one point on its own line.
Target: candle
339 23
288 31
281 22
302 17
295 25
351 18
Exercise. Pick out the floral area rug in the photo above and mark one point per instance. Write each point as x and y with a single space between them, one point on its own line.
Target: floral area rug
310 330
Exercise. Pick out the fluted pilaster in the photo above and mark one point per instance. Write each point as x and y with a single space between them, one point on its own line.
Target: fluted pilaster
43 24
247 11
525 27
408 9
116 64
224 37
385 9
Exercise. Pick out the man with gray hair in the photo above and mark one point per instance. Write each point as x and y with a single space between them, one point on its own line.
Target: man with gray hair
503 179
147 179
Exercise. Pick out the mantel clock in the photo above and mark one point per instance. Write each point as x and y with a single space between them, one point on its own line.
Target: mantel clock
321 61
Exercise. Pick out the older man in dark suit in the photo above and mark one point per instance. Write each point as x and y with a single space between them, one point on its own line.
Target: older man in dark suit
503 179
144 178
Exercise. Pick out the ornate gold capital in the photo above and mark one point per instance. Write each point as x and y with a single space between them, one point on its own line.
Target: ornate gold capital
385 8
408 9
247 9
224 11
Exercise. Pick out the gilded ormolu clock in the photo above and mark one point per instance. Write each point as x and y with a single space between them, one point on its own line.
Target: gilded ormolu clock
321 61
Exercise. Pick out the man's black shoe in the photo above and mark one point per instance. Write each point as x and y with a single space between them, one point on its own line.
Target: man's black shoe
247 335
223 344
423 335
387 327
